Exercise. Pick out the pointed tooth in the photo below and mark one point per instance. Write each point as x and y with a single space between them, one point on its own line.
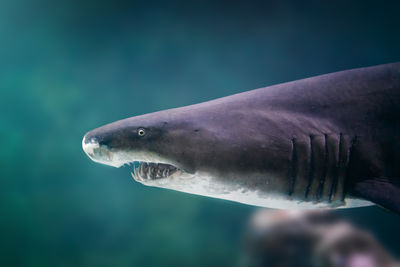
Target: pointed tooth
135 172
147 171
159 172
141 170
151 173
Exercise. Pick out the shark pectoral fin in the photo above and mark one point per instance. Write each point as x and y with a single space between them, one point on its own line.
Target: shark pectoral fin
381 191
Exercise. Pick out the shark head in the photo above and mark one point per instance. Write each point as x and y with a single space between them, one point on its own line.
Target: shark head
217 149
194 149
156 146
178 149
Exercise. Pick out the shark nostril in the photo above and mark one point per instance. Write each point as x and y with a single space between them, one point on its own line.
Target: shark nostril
90 140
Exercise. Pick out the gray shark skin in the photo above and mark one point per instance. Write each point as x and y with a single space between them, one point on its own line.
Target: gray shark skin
329 141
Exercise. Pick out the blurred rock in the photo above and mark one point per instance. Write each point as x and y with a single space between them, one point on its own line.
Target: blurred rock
310 238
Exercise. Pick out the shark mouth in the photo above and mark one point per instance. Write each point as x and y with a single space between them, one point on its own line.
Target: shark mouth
145 171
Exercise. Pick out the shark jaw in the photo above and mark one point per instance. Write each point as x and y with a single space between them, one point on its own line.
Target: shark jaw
147 168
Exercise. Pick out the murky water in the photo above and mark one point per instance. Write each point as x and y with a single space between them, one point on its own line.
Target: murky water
67 67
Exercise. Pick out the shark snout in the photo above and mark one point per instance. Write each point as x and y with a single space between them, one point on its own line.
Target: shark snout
90 145
96 151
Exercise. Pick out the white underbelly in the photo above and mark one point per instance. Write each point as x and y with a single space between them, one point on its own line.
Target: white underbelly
206 186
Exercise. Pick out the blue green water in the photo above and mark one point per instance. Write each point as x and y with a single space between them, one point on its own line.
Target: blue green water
67 67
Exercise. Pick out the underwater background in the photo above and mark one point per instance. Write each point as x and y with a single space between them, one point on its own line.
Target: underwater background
69 66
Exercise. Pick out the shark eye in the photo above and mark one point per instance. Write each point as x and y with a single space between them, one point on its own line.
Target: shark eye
141 132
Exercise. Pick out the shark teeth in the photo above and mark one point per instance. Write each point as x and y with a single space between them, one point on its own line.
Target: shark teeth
152 171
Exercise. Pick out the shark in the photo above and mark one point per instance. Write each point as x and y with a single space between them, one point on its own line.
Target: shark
329 141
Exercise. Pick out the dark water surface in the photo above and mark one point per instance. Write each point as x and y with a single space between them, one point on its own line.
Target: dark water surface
67 67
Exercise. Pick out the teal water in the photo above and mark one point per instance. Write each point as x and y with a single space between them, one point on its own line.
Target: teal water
67 67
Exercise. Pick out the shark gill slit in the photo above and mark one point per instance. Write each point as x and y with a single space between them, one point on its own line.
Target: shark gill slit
333 188
293 167
310 169
349 161
338 194
324 170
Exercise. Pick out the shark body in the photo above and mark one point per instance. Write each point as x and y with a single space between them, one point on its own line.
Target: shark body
329 141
